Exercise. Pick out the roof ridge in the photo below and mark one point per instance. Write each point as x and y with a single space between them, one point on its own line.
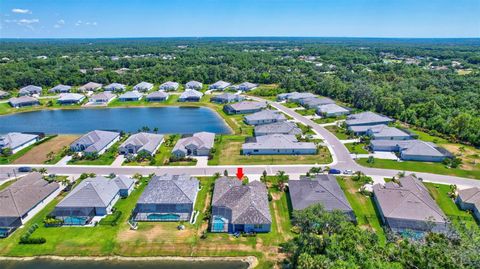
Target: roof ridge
329 191
14 202
176 185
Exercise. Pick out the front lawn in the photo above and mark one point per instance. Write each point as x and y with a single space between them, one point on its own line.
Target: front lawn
339 132
306 112
106 158
357 148
426 167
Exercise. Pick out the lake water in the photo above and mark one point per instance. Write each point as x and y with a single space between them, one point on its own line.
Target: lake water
168 120
53 264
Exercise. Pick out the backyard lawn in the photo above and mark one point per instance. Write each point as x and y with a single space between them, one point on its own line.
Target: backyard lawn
358 148
426 167
228 148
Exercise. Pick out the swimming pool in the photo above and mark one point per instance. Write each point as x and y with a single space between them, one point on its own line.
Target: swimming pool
163 217
75 221
4 232
219 224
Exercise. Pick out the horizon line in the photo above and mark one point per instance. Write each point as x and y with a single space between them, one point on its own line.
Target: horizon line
232 37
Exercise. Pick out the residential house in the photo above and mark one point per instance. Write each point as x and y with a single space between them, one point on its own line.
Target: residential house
169 86
102 98
244 107
314 102
90 87
167 198
294 96
277 144
320 189
199 144
246 86
412 150
332 110
21 200
367 118
70 98
385 132
96 141
23 101
130 96
17 141
92 199
4 94
143 86
282 127
219 85
60 88
407 206
190 95
469 199
141 142
115 87
264 117
30 90
158 96
240 208
194 85
226 98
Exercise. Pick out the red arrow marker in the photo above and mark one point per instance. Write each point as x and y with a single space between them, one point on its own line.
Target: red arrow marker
240 173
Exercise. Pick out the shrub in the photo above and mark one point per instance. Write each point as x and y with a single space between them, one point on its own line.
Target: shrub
27 239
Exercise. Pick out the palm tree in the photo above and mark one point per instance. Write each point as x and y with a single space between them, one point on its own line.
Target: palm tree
42 170
282 179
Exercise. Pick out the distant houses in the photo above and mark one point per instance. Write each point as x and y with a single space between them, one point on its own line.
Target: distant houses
469 199
90 86
384 132
240 208
199 144
194 85
130 96
226 98
158 96
4 94
23 101
408 206
277 144
190 95
167 198
95 142
60 88
314 102
264 117
143 87
70 98
17 141
18 200
244 107
246 86
367 118
320 189
169 86
219 85
282 127
30 90
412 150
332 110
92 199
294 97
141 142
102 98
115 87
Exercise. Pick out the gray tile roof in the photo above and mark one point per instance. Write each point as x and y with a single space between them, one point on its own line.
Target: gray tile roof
60 88
266 115
331 109
295 95
246 105
102 96
30 89
169 85
411 147
157 95
470 195
143 86
4 94
408 200
282 127
143 141
248 203
383 130
96 140
131 95
170 189
14 139
366 118
313 102
22 100
19 198
226 98
202 140
190 93
91 86
193 85
124 182
321 189
220 85
277 141
246 86
72 97
115 87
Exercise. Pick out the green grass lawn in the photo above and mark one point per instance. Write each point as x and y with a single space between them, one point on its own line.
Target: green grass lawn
228 147
434 168
329 119
306 129
306 112
362 205
358 148
440 192
290 105
106 158
340 133
13 157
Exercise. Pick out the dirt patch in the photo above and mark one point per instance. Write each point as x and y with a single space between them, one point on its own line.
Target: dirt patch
469 155
38 154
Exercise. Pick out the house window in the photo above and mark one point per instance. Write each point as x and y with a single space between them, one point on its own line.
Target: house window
257 226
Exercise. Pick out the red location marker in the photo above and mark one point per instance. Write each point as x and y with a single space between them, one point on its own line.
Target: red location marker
240 173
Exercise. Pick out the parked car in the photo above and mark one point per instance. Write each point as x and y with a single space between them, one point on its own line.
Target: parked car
334 171
348 172
24 169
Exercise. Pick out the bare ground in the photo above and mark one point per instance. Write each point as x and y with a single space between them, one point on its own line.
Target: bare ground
38 154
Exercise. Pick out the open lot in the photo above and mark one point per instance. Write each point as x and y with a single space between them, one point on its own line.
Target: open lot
358 148
339 132
39 153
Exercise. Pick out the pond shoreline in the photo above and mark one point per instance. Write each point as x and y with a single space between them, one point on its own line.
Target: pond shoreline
252 261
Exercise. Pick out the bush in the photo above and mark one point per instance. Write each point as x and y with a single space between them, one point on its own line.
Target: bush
111 219
27 239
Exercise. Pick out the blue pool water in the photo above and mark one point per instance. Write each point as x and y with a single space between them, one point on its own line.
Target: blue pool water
74 221
163 217
218 224
4 232
168 120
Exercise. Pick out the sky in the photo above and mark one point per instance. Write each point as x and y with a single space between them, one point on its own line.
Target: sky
232 18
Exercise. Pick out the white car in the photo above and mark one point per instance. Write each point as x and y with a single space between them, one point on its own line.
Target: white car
348 172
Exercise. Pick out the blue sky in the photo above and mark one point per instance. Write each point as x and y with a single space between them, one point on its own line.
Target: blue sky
173 18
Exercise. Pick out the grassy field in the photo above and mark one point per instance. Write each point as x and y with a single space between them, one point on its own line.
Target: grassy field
435 168
39 154
156 239
340 133
358 148
440 192
15 156
306 112
362 205
228 147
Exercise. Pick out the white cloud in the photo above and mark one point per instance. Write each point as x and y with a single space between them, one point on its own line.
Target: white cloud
87 23
24 22
78 23
59 24
21 11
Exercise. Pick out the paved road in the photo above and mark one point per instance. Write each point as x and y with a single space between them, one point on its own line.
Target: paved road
342 160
